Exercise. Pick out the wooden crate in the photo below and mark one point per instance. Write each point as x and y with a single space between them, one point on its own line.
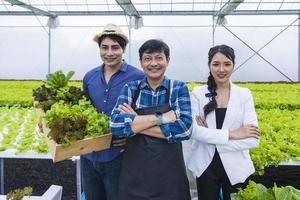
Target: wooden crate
59 153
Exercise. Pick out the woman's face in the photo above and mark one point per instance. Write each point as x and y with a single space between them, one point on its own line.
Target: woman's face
221 68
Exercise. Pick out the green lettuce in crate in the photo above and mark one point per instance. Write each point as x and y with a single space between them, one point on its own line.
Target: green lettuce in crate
70 95
56 89
58 79
45 97
69 123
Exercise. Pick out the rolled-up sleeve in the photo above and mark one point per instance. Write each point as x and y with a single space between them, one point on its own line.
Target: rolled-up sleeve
120 123
180 129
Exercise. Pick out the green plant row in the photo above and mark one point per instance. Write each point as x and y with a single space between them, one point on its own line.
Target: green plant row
17 92
266 96
280 130
260 87
280 138
20 92
281 99
272 95
259 192
18 130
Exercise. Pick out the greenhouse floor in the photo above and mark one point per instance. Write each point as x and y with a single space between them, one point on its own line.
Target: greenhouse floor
41 173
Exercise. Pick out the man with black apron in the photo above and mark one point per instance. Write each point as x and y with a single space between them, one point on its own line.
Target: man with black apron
155 115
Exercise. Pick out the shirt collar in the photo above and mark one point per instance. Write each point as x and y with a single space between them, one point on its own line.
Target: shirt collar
165 83
124 66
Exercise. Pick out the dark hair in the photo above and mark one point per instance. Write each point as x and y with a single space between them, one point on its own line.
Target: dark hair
211 84
223 49
115 38
154 45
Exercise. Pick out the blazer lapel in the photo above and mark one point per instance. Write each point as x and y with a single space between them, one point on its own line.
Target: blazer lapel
231 111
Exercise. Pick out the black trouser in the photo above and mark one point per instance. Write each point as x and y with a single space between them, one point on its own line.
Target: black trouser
213 179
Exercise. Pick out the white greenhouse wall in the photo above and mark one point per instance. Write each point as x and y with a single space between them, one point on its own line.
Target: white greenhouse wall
24 45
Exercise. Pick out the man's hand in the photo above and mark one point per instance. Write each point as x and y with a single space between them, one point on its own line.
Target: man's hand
200 121
125 108
169 117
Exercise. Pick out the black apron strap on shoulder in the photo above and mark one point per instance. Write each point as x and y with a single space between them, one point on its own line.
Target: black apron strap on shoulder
167 97
136 95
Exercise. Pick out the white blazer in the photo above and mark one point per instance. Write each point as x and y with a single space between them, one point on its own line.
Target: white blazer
234 153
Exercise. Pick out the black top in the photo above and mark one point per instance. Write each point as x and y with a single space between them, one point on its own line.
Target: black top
220 116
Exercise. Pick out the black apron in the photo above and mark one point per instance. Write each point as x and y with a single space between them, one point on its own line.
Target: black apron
153 169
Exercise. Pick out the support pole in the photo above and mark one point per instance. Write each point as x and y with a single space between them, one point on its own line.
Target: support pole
214 29
129 42
299 47
2 175
78 178
49 50
52 23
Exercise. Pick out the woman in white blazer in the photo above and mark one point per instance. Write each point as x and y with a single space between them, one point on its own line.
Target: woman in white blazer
225 128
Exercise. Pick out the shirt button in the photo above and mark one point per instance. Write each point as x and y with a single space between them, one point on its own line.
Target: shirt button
106 90
104 101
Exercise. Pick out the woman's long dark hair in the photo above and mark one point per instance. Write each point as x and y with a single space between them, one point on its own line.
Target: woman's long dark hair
211 83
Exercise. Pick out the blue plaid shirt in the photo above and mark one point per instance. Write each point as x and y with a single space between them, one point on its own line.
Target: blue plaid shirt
180 129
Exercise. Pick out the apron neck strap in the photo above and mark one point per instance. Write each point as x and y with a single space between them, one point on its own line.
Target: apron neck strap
138 90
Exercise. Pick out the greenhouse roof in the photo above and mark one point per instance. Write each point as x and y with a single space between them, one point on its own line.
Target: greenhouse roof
151 7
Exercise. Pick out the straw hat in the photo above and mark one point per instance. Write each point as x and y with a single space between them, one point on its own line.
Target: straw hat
111 29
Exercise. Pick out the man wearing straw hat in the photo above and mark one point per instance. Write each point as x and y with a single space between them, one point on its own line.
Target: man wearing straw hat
101 170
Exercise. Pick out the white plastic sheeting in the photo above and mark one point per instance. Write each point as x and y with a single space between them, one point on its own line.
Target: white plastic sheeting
24 50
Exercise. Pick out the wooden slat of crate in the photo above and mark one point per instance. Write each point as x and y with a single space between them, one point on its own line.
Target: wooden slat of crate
59 153
79 147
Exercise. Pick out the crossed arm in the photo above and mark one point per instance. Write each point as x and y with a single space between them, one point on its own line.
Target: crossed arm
146 124
176 123
245 137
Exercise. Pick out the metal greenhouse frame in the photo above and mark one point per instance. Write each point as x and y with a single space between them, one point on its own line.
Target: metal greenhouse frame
135 10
